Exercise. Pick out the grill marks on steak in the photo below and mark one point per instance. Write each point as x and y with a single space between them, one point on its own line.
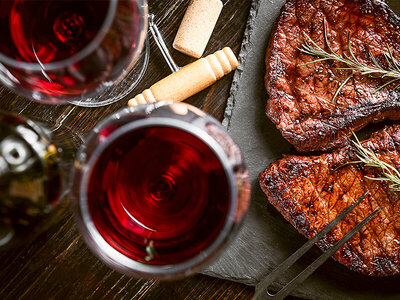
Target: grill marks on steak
300 102
311 191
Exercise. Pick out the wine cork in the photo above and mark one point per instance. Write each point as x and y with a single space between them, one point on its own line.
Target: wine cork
197 26
190 79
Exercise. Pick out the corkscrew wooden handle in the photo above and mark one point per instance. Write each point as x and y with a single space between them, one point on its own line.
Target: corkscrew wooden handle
190 79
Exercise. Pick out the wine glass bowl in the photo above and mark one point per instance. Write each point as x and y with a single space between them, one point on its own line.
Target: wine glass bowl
63 51
159 189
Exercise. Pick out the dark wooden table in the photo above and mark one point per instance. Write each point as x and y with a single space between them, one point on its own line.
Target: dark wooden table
57 264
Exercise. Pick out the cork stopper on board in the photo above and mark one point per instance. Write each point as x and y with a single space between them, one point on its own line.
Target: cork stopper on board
197 26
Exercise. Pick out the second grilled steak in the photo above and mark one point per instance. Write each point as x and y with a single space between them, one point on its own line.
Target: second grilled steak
301 97
311 191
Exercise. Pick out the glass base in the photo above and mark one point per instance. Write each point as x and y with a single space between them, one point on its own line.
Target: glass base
119 91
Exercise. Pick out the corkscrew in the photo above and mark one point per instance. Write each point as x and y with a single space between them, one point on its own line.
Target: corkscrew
189 80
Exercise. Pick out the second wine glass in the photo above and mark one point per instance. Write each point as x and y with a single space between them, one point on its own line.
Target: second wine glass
63 51
159 189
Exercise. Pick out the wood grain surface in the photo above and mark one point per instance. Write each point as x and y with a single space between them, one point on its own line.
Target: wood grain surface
57 264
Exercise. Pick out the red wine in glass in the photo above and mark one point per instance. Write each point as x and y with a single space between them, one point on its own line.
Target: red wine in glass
161 185
159 189
64 50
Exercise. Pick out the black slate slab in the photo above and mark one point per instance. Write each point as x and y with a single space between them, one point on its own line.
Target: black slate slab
266 239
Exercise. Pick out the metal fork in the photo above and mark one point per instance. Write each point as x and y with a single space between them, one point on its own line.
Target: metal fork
262 288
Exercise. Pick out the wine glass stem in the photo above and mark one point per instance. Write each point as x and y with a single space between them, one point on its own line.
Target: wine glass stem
161 44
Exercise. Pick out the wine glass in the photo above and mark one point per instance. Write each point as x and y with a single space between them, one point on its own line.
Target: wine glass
159 189
72 51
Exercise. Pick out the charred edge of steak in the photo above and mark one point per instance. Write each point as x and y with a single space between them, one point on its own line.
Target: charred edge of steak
324 131
336 129
269 49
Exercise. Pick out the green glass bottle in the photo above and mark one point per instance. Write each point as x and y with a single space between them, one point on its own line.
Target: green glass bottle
30 181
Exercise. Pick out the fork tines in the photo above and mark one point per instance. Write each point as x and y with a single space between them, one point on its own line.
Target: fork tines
262 288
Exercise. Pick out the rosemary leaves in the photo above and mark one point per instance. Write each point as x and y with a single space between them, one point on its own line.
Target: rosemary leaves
151 251
391 72
370 159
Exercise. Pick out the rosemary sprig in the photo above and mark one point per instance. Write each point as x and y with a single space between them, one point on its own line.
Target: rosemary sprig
370 159
391 73
151 251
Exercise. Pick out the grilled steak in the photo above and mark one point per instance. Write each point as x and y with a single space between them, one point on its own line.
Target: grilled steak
301 97
311 191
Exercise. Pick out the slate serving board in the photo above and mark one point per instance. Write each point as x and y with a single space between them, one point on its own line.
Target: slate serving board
266 239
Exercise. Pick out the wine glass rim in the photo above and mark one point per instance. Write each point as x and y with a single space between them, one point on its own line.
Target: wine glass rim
78 56
115 258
